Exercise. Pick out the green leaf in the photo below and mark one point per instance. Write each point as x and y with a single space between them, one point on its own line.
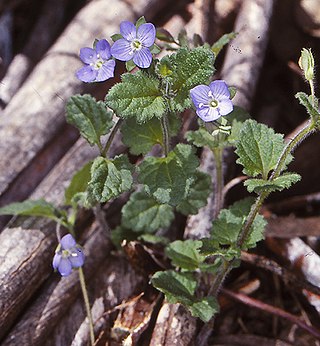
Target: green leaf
197 196
38 207
204 308
201 138
169 179
237 117
116 37
178 287
155 49
164 35
306 101
211 247
153 239
137 96
140 21
184 70
223 40
185 254
140 138
91 117
109 178
183 38
278 184
226 228
79 183
143 213
130 65
259 149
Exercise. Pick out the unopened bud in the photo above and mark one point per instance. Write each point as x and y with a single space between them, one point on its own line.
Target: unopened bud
306 63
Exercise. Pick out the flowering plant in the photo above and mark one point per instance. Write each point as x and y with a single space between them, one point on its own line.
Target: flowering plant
146 106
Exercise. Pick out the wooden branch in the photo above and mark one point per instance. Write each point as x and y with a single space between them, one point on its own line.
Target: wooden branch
51 17
272 310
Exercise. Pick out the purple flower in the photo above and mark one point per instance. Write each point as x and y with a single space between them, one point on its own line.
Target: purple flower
135 43
68 255
211 101
98 63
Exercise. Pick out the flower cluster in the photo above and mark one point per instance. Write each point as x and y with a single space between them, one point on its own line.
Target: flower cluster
211 101
134 44
68 256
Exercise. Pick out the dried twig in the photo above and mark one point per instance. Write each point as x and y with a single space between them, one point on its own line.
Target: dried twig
271 309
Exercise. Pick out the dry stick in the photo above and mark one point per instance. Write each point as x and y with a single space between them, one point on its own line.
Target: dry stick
271 309
241 69
272 266
51 18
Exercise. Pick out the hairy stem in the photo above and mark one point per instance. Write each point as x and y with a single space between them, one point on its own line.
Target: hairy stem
244 233
111 137
219 181
87 304
165 134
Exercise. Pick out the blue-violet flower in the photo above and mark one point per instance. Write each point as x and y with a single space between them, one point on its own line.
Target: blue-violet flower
211 101
68 256
99 65
135 43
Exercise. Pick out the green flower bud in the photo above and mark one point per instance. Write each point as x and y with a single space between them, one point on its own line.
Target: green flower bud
306 63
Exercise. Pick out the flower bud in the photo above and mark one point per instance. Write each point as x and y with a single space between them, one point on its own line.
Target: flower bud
306 63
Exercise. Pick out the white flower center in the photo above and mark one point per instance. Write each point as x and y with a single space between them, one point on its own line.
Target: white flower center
136 45
213 103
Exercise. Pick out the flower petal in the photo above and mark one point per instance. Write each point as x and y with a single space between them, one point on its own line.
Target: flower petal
199 95
219 89
67 242
65 267
106 71
86 74
128 31
56 260
146 34
142 58
77 258
225 107
88 55
122 50
208 113
103 49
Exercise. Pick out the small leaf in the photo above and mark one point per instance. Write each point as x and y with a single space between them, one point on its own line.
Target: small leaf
183 38
91 117
259 148
205 308
178 287
130 65
144 213
38 207
307 103
169 179
223 40
116 37
140 138
164 35
201 138
109 178
137 96
140 21
155 49
226 228
278 184
79 183
185 254
197 196
237 117
184 70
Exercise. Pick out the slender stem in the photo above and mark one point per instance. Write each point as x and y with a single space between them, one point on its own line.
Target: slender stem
111 137
219 181
165 134
244 233
87 304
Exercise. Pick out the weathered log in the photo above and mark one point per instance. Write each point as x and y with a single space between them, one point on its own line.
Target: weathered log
52 17
55 299
35 114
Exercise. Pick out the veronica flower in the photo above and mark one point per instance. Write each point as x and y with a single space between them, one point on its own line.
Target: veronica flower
135 43
98 63
211 101
68 256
